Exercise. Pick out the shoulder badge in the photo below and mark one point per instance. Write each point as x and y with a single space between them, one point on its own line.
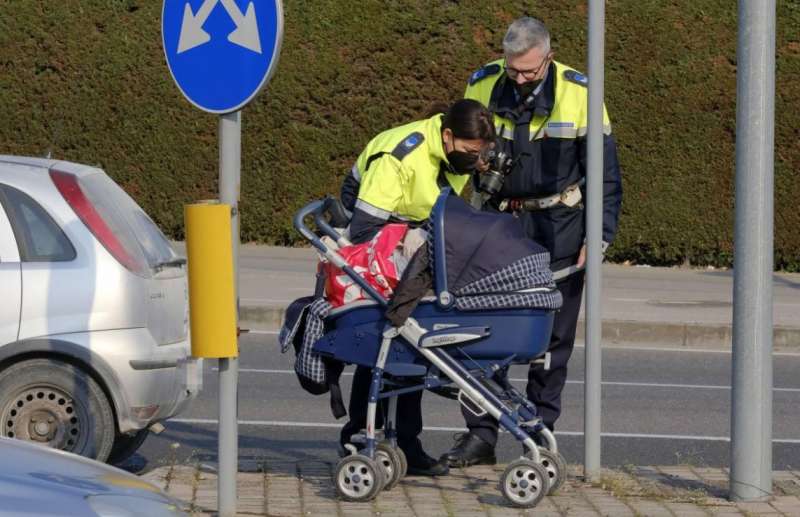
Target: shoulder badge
576 77
484 72
408 144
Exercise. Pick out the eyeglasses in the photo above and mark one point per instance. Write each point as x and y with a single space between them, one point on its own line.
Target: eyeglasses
531 74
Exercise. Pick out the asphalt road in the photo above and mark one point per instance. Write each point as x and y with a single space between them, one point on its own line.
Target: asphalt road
661 407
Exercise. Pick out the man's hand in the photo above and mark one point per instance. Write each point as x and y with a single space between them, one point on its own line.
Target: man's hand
582 257
483 162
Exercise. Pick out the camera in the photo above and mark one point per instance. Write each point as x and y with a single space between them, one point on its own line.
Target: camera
500 165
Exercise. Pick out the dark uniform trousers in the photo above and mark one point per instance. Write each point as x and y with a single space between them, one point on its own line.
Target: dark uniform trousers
409 412
545 386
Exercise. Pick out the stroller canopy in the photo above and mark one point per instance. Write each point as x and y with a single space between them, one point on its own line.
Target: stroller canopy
470 245
476 260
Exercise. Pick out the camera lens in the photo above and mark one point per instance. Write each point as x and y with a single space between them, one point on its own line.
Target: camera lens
491 182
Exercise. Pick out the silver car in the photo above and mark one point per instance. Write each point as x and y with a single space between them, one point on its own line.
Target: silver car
94 342
36 481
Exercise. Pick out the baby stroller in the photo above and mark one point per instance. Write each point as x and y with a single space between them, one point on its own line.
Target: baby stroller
493 306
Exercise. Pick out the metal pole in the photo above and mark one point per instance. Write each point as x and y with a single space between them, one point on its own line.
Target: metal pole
594 237
230 145
751 404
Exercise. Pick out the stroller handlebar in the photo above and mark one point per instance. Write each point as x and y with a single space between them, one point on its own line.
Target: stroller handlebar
313 208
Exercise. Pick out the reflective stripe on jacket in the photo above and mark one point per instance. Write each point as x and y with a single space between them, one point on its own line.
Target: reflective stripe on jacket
399 171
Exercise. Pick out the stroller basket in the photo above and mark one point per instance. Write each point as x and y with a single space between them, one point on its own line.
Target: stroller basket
519 335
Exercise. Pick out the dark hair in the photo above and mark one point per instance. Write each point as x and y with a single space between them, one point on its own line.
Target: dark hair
437 108
469 120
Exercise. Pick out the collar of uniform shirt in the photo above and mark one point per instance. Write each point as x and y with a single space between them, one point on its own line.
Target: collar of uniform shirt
508 100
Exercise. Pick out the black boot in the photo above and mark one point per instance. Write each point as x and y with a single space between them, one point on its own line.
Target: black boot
468 450
420 464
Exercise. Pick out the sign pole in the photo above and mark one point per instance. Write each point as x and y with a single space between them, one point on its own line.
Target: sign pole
221 53
751 396
594 236
230 145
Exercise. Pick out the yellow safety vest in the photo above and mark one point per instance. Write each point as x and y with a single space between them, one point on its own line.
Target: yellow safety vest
568 118
399 171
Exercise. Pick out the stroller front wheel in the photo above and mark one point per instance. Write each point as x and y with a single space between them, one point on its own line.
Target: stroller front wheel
524 483
358 478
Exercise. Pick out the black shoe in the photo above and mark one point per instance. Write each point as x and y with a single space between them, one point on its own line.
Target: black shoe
420 464
469 450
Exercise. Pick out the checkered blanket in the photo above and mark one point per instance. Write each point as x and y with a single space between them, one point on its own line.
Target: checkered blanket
308 364
527 282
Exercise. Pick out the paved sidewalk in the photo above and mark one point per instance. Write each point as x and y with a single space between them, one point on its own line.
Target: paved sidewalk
641 305
281 488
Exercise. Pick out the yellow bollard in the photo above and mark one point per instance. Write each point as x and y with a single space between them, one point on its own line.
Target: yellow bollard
212 304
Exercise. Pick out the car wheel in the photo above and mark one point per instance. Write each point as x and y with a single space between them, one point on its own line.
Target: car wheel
56 404
127 444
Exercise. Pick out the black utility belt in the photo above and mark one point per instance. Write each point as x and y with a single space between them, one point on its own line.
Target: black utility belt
570 197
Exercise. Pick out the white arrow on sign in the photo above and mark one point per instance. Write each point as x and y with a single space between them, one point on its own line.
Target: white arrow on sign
192 33
245 35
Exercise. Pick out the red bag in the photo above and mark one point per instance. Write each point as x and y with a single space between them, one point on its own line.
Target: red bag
373 260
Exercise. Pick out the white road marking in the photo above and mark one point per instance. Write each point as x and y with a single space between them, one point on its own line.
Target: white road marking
692 350
264 300
605 383
326 425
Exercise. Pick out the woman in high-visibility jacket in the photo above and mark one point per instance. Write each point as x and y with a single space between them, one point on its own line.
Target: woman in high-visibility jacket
399 174
397 178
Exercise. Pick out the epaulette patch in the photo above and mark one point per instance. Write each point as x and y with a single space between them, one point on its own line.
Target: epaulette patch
576 77
484 72
410 143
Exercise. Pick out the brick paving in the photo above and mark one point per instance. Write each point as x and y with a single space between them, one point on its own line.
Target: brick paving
305 488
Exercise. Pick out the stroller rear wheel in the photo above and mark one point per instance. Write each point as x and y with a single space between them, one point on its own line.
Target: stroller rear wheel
556 467
524 483
358 478
388 459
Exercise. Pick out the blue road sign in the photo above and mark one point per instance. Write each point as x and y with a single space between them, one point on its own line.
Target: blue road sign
221 52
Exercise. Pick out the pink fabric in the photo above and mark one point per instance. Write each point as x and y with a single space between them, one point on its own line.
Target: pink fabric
373 260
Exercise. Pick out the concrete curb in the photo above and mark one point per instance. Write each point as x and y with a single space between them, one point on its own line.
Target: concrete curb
615 332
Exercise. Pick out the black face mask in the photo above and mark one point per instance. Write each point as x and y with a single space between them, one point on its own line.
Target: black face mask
526 89
462 162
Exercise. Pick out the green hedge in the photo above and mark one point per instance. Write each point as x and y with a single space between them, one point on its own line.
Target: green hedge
87 80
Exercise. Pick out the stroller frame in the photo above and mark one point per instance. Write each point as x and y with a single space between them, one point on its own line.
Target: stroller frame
490 393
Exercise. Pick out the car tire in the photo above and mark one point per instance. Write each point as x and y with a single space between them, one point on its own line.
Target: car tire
56 404
125 445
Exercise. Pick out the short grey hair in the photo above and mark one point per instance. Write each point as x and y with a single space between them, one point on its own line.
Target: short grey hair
525 34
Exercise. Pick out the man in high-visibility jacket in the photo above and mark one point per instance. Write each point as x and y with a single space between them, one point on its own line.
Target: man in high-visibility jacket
540 114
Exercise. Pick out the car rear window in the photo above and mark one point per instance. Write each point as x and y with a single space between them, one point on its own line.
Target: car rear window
39 237
128 220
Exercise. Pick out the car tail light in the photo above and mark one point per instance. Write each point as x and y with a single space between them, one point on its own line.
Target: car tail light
67 184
